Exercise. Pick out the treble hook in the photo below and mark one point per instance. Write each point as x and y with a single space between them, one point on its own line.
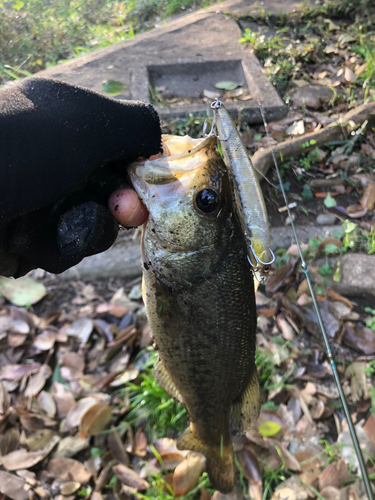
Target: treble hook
258 260
215 105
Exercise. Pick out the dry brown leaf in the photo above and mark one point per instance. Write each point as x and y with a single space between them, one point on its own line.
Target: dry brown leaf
250 466
82 329
369 428
358 384
95 419
68 469
4 400
360 339
17 372
333 475
368 198
117 448
349 76
361 69
37 381
38 440
356 211
285 327
47 403
23 459
140 443
70 487
70 446
76 412
45 341
187 473
129 477
330 493
13 487
33 421
72 366
338 298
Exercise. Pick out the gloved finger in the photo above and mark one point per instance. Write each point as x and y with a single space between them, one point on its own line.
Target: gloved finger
127 208
56 242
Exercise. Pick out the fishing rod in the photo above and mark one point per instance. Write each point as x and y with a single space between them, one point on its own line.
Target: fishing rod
305 270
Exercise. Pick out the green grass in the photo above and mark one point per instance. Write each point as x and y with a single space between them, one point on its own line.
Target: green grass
35 34
152 407
160 489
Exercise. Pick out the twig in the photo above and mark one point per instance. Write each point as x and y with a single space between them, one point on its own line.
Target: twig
263 160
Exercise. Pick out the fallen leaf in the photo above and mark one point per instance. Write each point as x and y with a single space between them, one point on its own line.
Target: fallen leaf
329 201
297 128
211 94
117 448
95 419
368 198
68 469
250 466
349 76
47 403
278 279
358 381
285 328
76 412
37 381
369 428
22 291
187 473
129 477
360 339
82 329
112 87
69 488
356 211
23 459
45 341
338 298
13 487
70 446
227 85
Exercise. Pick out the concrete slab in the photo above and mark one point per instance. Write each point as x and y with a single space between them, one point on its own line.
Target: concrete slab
191 54
123 259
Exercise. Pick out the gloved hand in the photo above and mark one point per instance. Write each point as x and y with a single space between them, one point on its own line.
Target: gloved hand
63 151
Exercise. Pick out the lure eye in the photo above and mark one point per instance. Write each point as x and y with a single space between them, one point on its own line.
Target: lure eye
207 200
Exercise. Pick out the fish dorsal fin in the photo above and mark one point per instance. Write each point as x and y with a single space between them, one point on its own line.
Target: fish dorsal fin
163 379
245 412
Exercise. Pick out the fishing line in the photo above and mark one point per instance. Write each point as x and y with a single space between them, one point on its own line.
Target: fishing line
305 270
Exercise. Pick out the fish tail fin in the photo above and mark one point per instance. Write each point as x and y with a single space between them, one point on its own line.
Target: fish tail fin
219 459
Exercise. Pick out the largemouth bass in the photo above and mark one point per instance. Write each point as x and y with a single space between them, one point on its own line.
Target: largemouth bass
199 296
247 193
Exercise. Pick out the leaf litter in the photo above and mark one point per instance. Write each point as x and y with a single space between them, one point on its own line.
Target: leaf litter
81 416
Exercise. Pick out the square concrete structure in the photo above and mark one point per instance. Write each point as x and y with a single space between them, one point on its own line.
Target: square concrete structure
185 56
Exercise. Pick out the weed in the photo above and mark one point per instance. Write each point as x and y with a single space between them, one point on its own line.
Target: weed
149 403
371 322
35 34
161 490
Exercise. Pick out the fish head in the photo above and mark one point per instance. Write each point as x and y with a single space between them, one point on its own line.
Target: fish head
188 198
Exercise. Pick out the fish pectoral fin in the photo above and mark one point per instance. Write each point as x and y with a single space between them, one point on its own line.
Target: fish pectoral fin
245 412
163 379
219 459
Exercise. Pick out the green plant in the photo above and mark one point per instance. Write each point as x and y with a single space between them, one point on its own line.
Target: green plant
149 403
371 322
161 490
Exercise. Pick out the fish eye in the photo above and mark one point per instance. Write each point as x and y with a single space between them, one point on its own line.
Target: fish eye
207 200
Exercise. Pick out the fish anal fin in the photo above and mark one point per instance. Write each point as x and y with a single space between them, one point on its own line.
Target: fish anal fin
219 459
163 379
245 412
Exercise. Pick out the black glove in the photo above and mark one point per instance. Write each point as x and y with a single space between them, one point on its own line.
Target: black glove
63 150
